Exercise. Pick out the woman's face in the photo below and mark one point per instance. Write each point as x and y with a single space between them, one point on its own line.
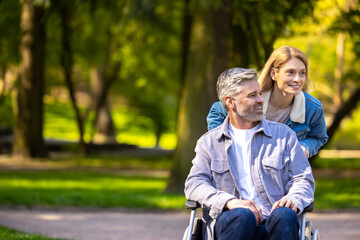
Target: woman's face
290 78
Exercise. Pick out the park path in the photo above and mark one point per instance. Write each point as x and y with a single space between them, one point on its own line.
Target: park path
118 224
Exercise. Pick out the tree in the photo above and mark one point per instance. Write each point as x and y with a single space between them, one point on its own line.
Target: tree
148 78
106 71
207 58
347 23
65 12
103 122
28 111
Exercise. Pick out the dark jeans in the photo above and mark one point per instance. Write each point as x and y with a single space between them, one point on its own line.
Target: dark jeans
240 224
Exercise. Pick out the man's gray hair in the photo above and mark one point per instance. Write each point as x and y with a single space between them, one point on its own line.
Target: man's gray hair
228 84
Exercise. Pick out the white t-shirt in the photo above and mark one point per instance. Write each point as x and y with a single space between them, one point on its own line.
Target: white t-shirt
239 152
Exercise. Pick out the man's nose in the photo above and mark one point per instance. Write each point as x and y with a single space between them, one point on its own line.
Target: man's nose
259 99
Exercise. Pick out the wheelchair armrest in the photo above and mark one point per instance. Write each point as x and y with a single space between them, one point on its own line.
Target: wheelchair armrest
309 208
192 205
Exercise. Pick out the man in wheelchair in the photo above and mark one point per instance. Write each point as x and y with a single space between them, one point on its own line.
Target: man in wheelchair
249 174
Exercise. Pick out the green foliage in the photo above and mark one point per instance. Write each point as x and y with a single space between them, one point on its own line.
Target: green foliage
6 113
264 21
150 82
10 234
316 36
127 37
348 137
10 33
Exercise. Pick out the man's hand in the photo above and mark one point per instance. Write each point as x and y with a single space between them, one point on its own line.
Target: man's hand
249 204
284 203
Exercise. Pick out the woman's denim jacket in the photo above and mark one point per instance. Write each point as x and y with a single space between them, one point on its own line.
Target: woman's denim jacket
308 123
279 168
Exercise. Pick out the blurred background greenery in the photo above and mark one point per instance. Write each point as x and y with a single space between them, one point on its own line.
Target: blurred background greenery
101 102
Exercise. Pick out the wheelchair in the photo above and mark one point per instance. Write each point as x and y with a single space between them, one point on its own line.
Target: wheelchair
306 231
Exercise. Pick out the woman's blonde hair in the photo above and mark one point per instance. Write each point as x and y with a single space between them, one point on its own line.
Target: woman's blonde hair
277 59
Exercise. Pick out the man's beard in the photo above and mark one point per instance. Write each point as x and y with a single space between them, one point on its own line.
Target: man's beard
251 115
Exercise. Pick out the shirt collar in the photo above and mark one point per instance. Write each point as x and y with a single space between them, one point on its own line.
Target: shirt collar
224 129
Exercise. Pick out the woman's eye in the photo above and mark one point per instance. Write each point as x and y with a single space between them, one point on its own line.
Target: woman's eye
302 73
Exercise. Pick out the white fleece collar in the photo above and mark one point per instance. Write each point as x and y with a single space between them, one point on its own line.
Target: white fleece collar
297 113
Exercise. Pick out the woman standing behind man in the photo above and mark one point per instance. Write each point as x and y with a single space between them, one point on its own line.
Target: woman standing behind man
284 81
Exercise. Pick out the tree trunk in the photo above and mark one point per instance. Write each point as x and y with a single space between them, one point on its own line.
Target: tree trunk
67 64
106 76
105 128
345 109
207 60
240 46
340 50
28 109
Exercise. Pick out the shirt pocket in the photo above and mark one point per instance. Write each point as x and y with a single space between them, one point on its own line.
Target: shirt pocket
275 175
222 178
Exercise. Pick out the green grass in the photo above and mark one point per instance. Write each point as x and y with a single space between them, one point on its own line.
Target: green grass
59 188
336 163
89 188
10 234
112 162
59 123
335 193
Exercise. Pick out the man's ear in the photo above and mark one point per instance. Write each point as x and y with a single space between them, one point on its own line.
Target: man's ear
229 101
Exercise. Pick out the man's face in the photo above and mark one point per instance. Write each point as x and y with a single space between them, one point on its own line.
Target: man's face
248 104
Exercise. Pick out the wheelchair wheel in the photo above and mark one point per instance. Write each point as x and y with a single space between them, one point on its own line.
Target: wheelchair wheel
308 230
315 235
186 233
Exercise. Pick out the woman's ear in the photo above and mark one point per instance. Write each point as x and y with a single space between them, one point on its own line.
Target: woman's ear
272 74
229 102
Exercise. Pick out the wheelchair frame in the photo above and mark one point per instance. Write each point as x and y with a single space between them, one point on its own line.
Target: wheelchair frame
306 231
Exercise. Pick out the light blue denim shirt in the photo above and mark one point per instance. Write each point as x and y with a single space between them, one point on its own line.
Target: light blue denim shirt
279 168
311 133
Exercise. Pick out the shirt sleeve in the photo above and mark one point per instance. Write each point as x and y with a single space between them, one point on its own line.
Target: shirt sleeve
198 185
216 116
317 135
301 185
